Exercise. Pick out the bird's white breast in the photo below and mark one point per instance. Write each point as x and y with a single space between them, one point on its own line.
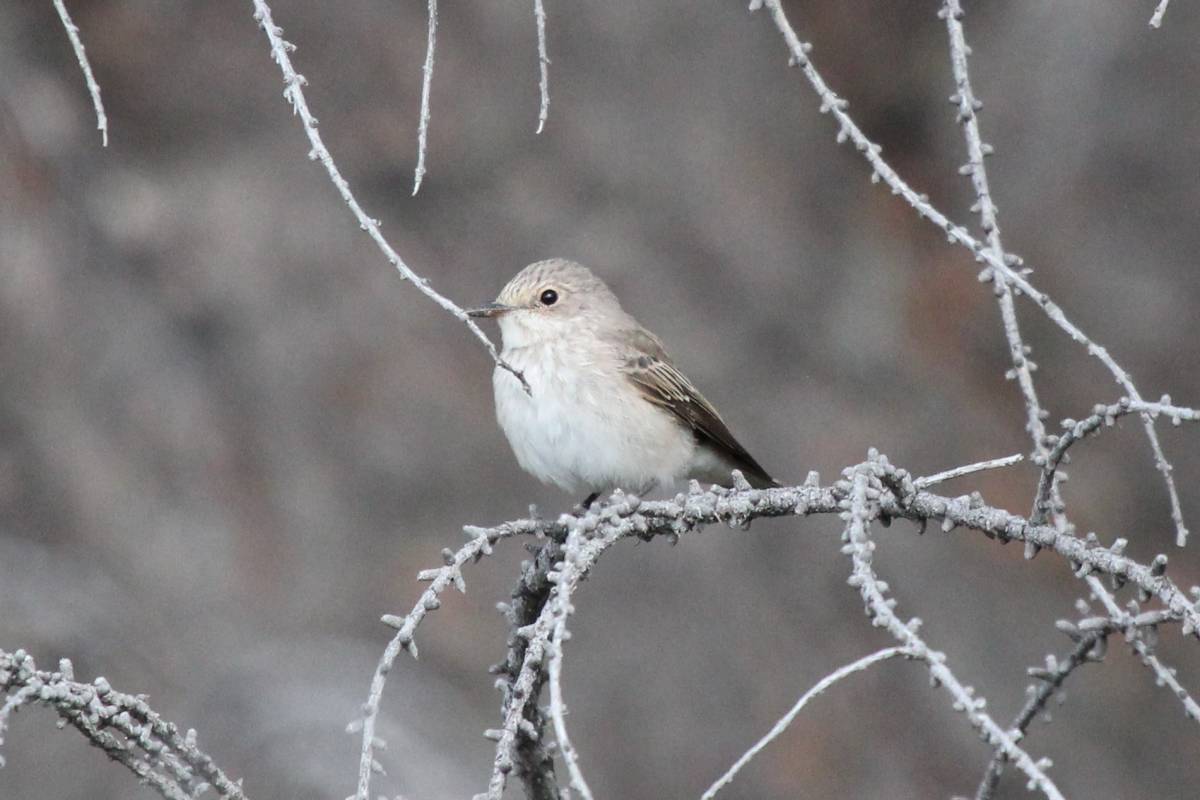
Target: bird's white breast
584 427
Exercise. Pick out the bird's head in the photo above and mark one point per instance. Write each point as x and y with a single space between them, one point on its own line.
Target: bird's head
546 298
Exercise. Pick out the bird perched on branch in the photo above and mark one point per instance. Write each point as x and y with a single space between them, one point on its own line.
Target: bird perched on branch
606 408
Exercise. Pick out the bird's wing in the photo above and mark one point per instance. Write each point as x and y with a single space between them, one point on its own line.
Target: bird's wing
646 363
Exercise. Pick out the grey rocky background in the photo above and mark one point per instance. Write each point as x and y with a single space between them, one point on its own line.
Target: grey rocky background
230 436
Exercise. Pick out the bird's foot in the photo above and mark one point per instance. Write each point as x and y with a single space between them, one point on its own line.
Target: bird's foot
587 503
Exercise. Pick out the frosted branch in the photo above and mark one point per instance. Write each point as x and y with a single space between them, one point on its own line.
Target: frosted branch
968 108
122 725
294 94
997 266
1102 416
1050 680
440 579
542 601
968 469
88 77
1133 627
587 537
1090 635
426 83
1156 20
867 483
539 14
786 720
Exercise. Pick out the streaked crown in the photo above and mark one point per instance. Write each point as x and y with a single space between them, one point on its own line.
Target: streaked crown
558 284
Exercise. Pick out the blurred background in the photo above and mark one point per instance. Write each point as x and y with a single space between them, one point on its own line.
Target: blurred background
230 435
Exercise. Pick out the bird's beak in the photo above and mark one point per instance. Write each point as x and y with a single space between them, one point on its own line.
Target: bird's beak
489 310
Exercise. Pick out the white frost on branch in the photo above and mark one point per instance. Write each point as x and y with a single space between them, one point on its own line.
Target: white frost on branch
124 726
874 490
480 544
786 720
968 469
88 77
848 129
868 481
294 93
1156 20
539 14
426 85
968 108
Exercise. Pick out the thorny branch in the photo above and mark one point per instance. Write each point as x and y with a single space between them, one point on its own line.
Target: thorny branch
480 544
1048 501
968 116
1050 679
122 725
294 94
874 490
539 13
132 734
1102 415
867 484
998 266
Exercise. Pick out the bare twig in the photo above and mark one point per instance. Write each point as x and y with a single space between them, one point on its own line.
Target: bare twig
426 84
88 77
1132 627
786 720
440 579
848 130
968 107
1051 679
294 94
122 725
1156 20
867 481
533 759
1102 416
542 601
539 13
587 537
958 472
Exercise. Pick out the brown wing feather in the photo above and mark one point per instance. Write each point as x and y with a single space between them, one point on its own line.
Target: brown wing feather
649 368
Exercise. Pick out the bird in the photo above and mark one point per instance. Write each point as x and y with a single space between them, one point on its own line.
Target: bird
606 407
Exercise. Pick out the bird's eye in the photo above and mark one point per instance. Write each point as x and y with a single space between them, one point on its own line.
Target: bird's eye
549 297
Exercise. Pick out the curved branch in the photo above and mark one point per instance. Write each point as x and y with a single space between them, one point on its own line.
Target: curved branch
440 579
124 726
786 720
88 77
294 94
999 265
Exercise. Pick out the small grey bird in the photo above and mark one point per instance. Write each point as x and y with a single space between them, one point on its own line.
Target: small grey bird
606 409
